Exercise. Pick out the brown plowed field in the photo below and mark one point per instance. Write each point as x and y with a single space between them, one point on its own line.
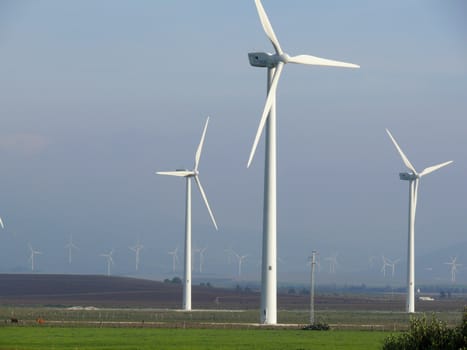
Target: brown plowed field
124 292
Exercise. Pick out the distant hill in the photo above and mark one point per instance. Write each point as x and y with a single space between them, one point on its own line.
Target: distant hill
110 291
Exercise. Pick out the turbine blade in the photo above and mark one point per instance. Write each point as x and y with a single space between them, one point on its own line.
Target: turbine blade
180 173
205 201
403 156
200 147
430 169
1 223
267 107
317 61
267 27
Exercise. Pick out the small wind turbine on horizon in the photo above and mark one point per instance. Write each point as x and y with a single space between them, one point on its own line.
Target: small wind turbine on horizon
332 262
454 266
175 260
389 263
274 63
33 253
201 258
70 246
188 175
240 259
109 260
137 249
413 177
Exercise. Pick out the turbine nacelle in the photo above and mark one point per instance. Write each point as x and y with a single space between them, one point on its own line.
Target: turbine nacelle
267 60
407 176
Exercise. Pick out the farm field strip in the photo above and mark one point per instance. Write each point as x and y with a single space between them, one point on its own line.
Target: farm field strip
213 318
38 338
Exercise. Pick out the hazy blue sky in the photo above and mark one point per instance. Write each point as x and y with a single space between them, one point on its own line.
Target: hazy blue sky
97 96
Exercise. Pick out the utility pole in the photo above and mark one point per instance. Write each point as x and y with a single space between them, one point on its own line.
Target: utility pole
312 288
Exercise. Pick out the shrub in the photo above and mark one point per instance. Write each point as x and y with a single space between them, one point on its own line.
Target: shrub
317 326
424 334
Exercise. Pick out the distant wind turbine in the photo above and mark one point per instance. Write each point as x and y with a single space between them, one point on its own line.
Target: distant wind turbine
240 259
189 174
109 259
332 262
175 260
389 263
274 63
70 246
137 249
33 253
413 177
201 258
454 265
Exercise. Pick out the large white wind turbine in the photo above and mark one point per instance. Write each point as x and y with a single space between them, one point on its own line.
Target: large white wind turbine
189 174
32 255
109 259
413 177
137 249
454 265
274 63
70 246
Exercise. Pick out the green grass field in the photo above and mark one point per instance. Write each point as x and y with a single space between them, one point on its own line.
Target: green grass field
40 337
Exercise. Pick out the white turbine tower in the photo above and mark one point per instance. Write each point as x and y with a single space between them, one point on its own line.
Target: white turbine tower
109 260
175 260
33 253
189 174
137 249
274 63
454 265
413 177
70 246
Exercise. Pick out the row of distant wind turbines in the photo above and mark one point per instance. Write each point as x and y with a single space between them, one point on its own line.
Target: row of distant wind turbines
275 64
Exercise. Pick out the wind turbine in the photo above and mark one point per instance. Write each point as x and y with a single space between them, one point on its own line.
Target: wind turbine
189 174
453 268
70 246
137 248
332 262
110 260
389 263
274 63
385 264
413 177
240 259
175 260
31 256
201 258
